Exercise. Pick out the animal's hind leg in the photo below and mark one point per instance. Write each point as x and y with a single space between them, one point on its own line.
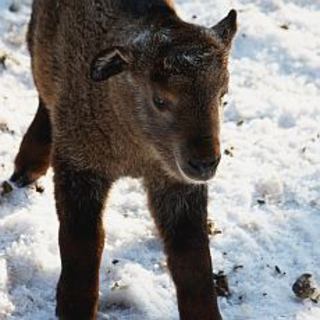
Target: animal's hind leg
33 159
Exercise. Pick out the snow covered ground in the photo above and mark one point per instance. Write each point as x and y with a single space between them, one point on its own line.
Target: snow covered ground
265 199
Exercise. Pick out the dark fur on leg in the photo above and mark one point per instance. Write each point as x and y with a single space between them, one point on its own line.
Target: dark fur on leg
80 198
33 159
180 212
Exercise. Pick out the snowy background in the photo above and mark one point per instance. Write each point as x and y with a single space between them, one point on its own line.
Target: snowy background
265 199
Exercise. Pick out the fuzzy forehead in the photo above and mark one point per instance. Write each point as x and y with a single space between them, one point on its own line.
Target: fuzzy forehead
196 51
180 51
181 60
190 61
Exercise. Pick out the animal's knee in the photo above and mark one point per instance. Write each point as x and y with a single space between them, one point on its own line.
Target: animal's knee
80 197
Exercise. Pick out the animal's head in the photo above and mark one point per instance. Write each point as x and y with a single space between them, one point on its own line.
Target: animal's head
177 77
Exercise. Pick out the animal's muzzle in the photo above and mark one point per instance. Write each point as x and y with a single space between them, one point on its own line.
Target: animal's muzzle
204 166
199 158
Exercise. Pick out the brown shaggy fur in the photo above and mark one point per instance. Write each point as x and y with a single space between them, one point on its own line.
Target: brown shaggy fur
127 89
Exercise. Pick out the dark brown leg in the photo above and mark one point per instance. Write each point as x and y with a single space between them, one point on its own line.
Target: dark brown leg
80 198
33 159
180 212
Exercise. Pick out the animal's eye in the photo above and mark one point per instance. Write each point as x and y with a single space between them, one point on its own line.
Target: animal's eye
160 103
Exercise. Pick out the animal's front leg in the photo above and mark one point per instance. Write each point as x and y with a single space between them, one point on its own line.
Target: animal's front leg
180 212
80 197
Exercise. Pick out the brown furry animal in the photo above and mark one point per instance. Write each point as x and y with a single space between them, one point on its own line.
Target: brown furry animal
127 89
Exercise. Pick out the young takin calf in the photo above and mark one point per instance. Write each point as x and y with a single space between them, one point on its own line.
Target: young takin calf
126 88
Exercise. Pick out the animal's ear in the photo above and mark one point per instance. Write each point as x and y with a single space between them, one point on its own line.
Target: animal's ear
109 63
227 28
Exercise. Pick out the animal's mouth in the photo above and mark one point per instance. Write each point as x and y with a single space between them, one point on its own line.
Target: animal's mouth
193 174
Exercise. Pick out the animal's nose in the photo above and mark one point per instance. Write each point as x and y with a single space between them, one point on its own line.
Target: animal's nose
204 166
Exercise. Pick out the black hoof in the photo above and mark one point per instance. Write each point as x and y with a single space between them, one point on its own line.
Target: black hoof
20 179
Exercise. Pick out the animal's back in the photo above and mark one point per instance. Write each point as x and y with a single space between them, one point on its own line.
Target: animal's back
62 32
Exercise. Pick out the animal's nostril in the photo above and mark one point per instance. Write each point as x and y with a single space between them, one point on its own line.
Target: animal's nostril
203 166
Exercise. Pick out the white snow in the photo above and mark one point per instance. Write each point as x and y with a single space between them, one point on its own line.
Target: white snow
272 131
